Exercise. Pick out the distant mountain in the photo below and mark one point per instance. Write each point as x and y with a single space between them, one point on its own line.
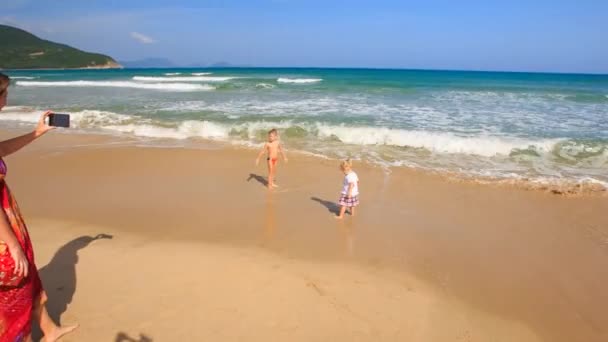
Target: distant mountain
23 50
221 65
149 63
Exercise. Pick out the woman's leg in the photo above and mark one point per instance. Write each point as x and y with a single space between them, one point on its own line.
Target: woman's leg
352 211
51 331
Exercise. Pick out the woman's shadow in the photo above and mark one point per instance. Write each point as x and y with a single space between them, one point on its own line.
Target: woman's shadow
333 207
59 276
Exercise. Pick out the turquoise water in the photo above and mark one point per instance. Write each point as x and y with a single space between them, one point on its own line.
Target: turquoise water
490 125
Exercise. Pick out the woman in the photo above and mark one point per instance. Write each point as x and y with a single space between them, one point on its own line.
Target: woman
21 295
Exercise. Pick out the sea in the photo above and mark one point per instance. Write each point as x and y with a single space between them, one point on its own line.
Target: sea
529 128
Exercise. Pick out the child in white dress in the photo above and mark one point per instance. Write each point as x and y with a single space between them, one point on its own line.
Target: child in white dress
349 198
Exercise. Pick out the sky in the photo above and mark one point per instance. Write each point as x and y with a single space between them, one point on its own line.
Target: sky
515 35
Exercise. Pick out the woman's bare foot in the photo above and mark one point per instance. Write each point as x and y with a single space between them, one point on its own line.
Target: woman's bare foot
59 332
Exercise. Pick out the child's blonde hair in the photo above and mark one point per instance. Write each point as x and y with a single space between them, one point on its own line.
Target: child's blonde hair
346 164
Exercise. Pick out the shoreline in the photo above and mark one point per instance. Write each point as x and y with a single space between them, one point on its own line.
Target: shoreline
563 187
425 260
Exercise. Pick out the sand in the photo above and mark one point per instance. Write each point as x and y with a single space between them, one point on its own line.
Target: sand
200 250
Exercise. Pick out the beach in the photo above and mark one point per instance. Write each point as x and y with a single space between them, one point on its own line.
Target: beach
200 250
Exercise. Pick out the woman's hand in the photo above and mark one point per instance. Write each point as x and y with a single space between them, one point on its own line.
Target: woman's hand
42 126
21 264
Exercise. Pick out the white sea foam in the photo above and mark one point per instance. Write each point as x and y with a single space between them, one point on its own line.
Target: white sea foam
480 156
172 73
80 119
264 85
299 80
23 77
185 130
119 84
441 142
201 73
438 142
17 114
308 107
185 79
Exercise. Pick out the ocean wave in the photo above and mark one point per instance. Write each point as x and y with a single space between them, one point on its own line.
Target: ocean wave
587 98
172 73
185 79
184 130
563 163
264 85
437 142
299 80
79 119
23 77
119 84
201 73
441 142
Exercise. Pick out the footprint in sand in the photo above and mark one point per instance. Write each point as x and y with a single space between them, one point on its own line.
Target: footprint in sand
319 291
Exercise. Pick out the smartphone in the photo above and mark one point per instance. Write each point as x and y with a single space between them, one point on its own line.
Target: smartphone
59 120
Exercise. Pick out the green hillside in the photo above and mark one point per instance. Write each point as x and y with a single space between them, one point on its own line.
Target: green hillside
22 50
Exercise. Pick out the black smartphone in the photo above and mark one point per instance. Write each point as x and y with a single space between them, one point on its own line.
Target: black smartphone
59 120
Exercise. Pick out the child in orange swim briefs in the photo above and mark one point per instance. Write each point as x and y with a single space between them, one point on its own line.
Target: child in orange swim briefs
272 148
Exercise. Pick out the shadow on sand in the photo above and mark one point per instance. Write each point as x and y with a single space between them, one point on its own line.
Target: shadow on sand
122 337
258 178
332 207
59 277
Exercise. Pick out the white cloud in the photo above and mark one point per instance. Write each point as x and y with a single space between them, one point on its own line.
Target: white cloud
142 38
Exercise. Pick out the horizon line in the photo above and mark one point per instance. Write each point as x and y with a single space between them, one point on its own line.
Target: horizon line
325 67
366 68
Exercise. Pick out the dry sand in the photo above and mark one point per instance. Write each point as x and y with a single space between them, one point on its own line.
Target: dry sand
202 252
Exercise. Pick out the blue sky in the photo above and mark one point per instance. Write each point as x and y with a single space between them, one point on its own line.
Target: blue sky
516 35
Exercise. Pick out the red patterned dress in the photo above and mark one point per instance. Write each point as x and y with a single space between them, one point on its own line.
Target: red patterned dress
17 301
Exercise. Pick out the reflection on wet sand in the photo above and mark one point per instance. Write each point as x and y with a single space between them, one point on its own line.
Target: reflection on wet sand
346 229
270 223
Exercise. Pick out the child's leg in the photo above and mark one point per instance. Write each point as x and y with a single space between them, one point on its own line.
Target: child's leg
274 173
270 174
342 211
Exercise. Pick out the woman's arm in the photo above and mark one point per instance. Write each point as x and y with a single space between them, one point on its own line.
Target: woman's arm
13 145
9 238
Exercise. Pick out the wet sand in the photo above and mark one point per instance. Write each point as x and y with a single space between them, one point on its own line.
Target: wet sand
202 251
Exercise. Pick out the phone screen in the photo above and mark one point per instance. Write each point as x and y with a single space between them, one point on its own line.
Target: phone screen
59 120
